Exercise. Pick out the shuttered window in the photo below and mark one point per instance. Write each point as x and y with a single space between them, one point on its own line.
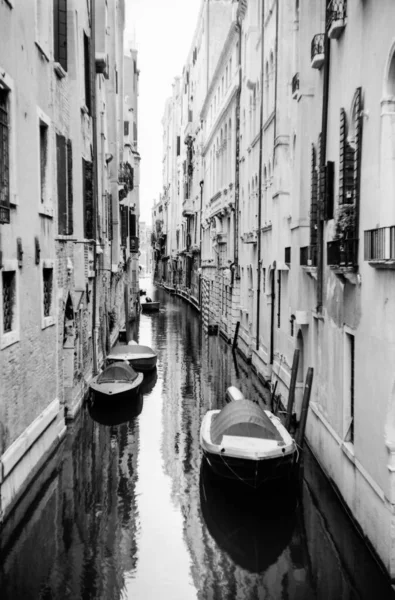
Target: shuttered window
314 193
358 120
178 145
109 213
87 72
60 32
4 158
132 225
64 160
346 163
87 182
126 128
124 224
329 189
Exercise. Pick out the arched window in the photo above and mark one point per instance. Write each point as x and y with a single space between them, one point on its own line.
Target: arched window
390 83
230 152
225 155
264 198
267 107
271 79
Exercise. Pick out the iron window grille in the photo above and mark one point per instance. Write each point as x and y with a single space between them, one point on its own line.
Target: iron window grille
4 158
317 45
337 10
295 83
379 243
47 296
8 299
60 32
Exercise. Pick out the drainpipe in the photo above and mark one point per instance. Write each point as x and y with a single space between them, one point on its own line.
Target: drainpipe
324 127
94 185
258 298
237 160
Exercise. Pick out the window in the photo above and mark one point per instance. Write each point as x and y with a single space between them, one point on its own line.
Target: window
43 160
64 160
4 157
349 387
44 153
43 29
9 315
87 183
60 32
279 300
8 299
47 291
126 128
87 72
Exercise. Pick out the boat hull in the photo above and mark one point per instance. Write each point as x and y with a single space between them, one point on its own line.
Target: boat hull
144 364
105 392
253 473
149 307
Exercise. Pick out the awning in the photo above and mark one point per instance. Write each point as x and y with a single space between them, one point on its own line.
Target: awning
243 418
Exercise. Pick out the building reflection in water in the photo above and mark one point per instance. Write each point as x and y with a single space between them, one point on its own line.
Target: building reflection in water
124 508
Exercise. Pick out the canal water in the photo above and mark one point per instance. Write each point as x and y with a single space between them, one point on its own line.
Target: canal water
124 509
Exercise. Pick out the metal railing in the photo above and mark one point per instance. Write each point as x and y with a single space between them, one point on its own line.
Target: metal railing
308 256
343 253
317 45
379 244
295 83
337 10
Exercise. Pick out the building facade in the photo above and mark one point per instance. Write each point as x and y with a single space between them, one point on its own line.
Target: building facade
66 265
295 137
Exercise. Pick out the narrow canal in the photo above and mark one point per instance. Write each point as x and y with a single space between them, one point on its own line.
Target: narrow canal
123 509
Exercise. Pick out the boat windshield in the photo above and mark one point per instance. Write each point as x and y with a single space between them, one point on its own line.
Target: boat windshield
117 372
245 419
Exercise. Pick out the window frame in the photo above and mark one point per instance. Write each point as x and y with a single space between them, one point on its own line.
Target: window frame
13 336
45 207
51 319
7 83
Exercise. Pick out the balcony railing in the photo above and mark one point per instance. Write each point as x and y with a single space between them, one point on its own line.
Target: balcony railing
295 85
318 51
134 243
337 13
308 256
343 253
379 244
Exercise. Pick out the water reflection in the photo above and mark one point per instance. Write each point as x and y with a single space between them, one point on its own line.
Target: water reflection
124 508
116 412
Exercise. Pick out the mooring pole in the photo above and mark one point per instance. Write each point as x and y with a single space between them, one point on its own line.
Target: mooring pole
234 345
305 407
291 395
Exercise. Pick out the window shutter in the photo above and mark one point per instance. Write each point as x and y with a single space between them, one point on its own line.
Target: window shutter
329 189
87 72
109 207
87 171
132 224
135 132
178 145
61 184
60 32
314 191
126 128
358 144
124 224
69 187
342 157
4 159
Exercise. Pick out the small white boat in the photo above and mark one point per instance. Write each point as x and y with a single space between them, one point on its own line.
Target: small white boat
245 442
141 358
118 380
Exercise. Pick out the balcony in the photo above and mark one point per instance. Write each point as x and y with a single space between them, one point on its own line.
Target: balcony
134 243
187 208
250 237
295 86
337 18
318 51
379 247
343 255
126 176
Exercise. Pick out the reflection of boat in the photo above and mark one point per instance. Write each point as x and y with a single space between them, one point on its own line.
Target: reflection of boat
143 292
141 358
149 382
118 380
119 412
252 530
149 307
243 441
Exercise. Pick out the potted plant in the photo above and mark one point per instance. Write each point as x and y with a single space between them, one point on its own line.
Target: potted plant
344 227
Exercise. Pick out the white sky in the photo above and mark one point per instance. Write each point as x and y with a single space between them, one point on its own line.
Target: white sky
163 32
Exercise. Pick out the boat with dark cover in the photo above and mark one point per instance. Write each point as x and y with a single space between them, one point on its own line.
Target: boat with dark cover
118 380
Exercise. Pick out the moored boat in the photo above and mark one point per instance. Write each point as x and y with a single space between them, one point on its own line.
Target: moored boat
245 442
141 358
149 307
118 380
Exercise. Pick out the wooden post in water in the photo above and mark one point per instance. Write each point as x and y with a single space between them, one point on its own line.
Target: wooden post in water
291 395
235 337
305 407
